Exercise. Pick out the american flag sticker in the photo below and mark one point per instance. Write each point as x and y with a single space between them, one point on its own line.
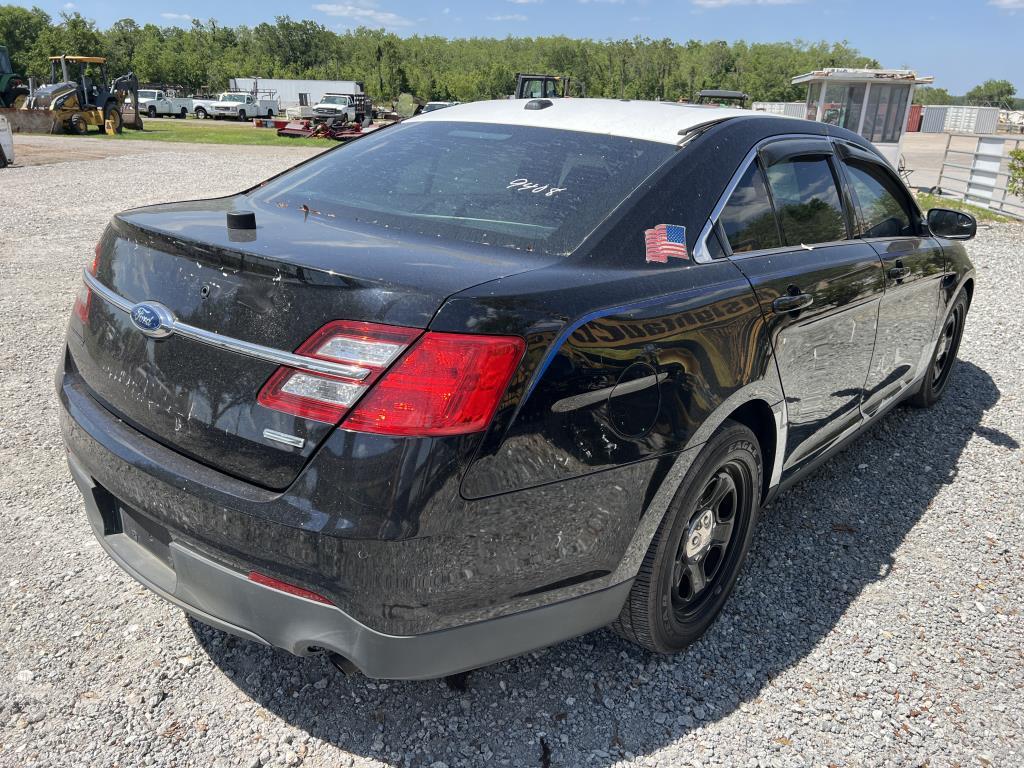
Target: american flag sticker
665 241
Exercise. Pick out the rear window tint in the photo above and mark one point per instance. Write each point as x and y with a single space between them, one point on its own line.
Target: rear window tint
537 189
807 201
748 219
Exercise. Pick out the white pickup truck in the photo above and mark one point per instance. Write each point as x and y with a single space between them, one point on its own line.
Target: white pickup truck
351 107
155 103
237 106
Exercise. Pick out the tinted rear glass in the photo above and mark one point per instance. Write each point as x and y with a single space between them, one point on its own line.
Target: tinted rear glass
748 218
538 189
807 201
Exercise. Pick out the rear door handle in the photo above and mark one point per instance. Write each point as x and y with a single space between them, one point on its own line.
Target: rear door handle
898 273
792 302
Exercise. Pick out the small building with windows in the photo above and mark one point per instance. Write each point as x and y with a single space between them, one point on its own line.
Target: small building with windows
872 102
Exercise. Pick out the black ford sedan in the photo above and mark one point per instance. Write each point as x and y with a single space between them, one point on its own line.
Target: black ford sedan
498 375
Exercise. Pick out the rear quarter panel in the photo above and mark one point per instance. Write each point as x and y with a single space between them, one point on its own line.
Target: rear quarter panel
631 379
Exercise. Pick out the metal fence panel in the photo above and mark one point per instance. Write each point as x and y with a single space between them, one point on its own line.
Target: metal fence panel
976 169
934 120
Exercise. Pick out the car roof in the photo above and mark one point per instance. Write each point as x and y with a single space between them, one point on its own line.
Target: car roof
661 121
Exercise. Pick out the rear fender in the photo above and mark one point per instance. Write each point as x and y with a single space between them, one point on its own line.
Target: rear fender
767 391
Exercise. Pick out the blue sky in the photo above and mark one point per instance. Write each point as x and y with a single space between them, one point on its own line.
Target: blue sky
960 42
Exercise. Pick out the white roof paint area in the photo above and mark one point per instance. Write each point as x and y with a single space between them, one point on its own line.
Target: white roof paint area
645 120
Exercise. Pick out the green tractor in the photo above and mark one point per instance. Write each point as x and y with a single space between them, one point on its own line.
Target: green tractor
13 87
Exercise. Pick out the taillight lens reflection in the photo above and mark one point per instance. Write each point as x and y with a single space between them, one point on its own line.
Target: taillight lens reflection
448 384
83 299
368 348
440 384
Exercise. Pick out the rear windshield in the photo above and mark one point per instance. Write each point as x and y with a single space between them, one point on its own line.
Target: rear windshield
537 189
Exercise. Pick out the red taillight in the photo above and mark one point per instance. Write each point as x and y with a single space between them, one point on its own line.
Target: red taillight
369 348
284 586
448 384
445 384
83 299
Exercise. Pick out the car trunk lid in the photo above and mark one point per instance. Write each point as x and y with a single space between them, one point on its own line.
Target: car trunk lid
272 287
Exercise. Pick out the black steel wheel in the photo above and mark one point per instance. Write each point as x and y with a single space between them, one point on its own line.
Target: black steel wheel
697 554
944 356
151 111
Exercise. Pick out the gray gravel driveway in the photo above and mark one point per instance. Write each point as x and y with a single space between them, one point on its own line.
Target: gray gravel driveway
878 621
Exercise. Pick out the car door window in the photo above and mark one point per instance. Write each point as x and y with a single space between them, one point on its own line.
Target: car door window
881 206
748 219
807 200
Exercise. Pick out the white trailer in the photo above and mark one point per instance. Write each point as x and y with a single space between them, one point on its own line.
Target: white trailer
296 93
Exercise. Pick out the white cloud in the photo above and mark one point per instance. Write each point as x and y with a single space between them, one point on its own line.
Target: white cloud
365 12
69 6
1008 5
508 17
725 3
175 16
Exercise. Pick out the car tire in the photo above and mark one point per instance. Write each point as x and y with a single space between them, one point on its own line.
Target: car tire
201 113
151 111
270 113
182 114
704 537
241 115
3 159
943 359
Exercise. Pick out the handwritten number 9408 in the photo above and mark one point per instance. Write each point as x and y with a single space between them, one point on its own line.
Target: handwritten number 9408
525 185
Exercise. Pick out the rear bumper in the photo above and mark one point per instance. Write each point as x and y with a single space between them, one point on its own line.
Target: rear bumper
202 532
226 599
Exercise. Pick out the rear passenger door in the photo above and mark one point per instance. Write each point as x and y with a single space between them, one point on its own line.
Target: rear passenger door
787 228
912 261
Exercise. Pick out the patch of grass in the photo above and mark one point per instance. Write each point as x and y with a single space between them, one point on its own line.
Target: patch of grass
210 132
927 201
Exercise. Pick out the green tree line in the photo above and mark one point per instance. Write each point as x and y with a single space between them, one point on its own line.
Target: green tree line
205 55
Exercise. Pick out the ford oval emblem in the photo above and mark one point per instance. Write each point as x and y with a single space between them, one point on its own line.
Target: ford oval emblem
154 320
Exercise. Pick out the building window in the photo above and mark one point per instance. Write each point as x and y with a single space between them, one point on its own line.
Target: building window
883 119
843 105
813 92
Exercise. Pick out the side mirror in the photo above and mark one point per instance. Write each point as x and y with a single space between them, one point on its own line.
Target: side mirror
953 225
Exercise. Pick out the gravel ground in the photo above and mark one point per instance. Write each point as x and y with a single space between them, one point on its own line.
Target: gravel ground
878 621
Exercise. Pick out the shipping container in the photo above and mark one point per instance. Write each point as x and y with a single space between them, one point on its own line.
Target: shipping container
934 119
914 118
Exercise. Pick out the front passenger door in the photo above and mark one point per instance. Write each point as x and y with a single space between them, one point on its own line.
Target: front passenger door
819 291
